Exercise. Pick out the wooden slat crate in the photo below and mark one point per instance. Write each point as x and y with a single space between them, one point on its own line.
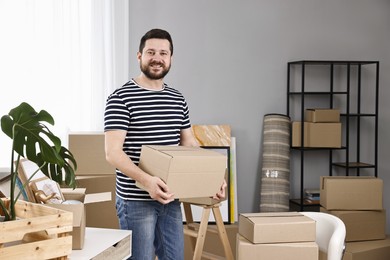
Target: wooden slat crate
40 232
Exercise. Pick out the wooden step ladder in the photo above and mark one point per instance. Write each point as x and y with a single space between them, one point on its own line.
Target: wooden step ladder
197 231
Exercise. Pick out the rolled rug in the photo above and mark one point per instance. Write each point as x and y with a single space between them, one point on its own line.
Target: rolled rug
275 175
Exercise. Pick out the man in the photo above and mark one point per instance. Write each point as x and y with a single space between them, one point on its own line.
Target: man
147 111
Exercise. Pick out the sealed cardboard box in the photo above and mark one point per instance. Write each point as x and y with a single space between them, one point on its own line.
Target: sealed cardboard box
351 193
206 200
362 225
102 214
276 227
76 200
286 251
326 135
368 250
88 150
322 115
190 172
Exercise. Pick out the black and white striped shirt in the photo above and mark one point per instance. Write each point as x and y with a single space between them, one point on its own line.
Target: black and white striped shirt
149 117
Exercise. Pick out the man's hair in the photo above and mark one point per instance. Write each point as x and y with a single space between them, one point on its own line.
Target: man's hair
156 34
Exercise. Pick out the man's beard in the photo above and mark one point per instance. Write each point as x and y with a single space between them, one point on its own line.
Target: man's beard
148 71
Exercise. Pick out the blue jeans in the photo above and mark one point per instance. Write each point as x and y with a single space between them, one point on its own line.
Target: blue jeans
157 229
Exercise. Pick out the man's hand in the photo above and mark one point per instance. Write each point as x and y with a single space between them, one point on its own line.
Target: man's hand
221 194
159 191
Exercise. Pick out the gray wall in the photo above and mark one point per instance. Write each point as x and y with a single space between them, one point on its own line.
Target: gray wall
230 62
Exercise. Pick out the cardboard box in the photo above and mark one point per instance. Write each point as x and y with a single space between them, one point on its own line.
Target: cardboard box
96 217
89 152
190 172
322 115
325 135
208 200
351 193
78 209
286 251
368 250
277 227
362 225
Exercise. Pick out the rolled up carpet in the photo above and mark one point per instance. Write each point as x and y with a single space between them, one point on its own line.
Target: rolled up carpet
275 176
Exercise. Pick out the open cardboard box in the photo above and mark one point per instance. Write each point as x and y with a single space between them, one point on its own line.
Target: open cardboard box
79 211
96 217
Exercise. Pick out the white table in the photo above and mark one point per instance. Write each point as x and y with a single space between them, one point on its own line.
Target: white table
104 243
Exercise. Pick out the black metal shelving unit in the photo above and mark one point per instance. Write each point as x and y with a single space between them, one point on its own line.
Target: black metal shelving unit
302 93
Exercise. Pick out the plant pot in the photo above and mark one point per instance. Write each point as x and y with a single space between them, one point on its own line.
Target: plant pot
41 232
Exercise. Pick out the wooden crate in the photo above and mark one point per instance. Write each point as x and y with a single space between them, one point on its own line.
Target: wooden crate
41 232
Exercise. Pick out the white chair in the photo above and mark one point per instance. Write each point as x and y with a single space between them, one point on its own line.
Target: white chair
330 234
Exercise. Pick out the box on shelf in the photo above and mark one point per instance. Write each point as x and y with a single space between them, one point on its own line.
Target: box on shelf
322 115
88 150
361 225
286 251
364 250
79 212
351 193
276 227
326 135
190 172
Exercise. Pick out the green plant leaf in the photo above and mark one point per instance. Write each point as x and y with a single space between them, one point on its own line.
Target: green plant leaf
24 125
33 140
55 171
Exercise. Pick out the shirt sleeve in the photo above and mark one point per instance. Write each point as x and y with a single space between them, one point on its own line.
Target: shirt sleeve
117 114
186 116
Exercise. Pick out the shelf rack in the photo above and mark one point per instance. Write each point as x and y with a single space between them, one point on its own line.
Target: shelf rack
303 93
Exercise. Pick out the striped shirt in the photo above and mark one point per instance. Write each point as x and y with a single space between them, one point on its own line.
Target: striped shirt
149 117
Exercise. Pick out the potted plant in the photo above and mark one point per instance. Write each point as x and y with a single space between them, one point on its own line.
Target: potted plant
33 140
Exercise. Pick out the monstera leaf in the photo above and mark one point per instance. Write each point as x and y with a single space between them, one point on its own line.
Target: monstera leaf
32 139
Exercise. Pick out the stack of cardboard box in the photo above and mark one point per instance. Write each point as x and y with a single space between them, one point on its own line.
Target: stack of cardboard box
357 201
276 235
322 128
96 175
